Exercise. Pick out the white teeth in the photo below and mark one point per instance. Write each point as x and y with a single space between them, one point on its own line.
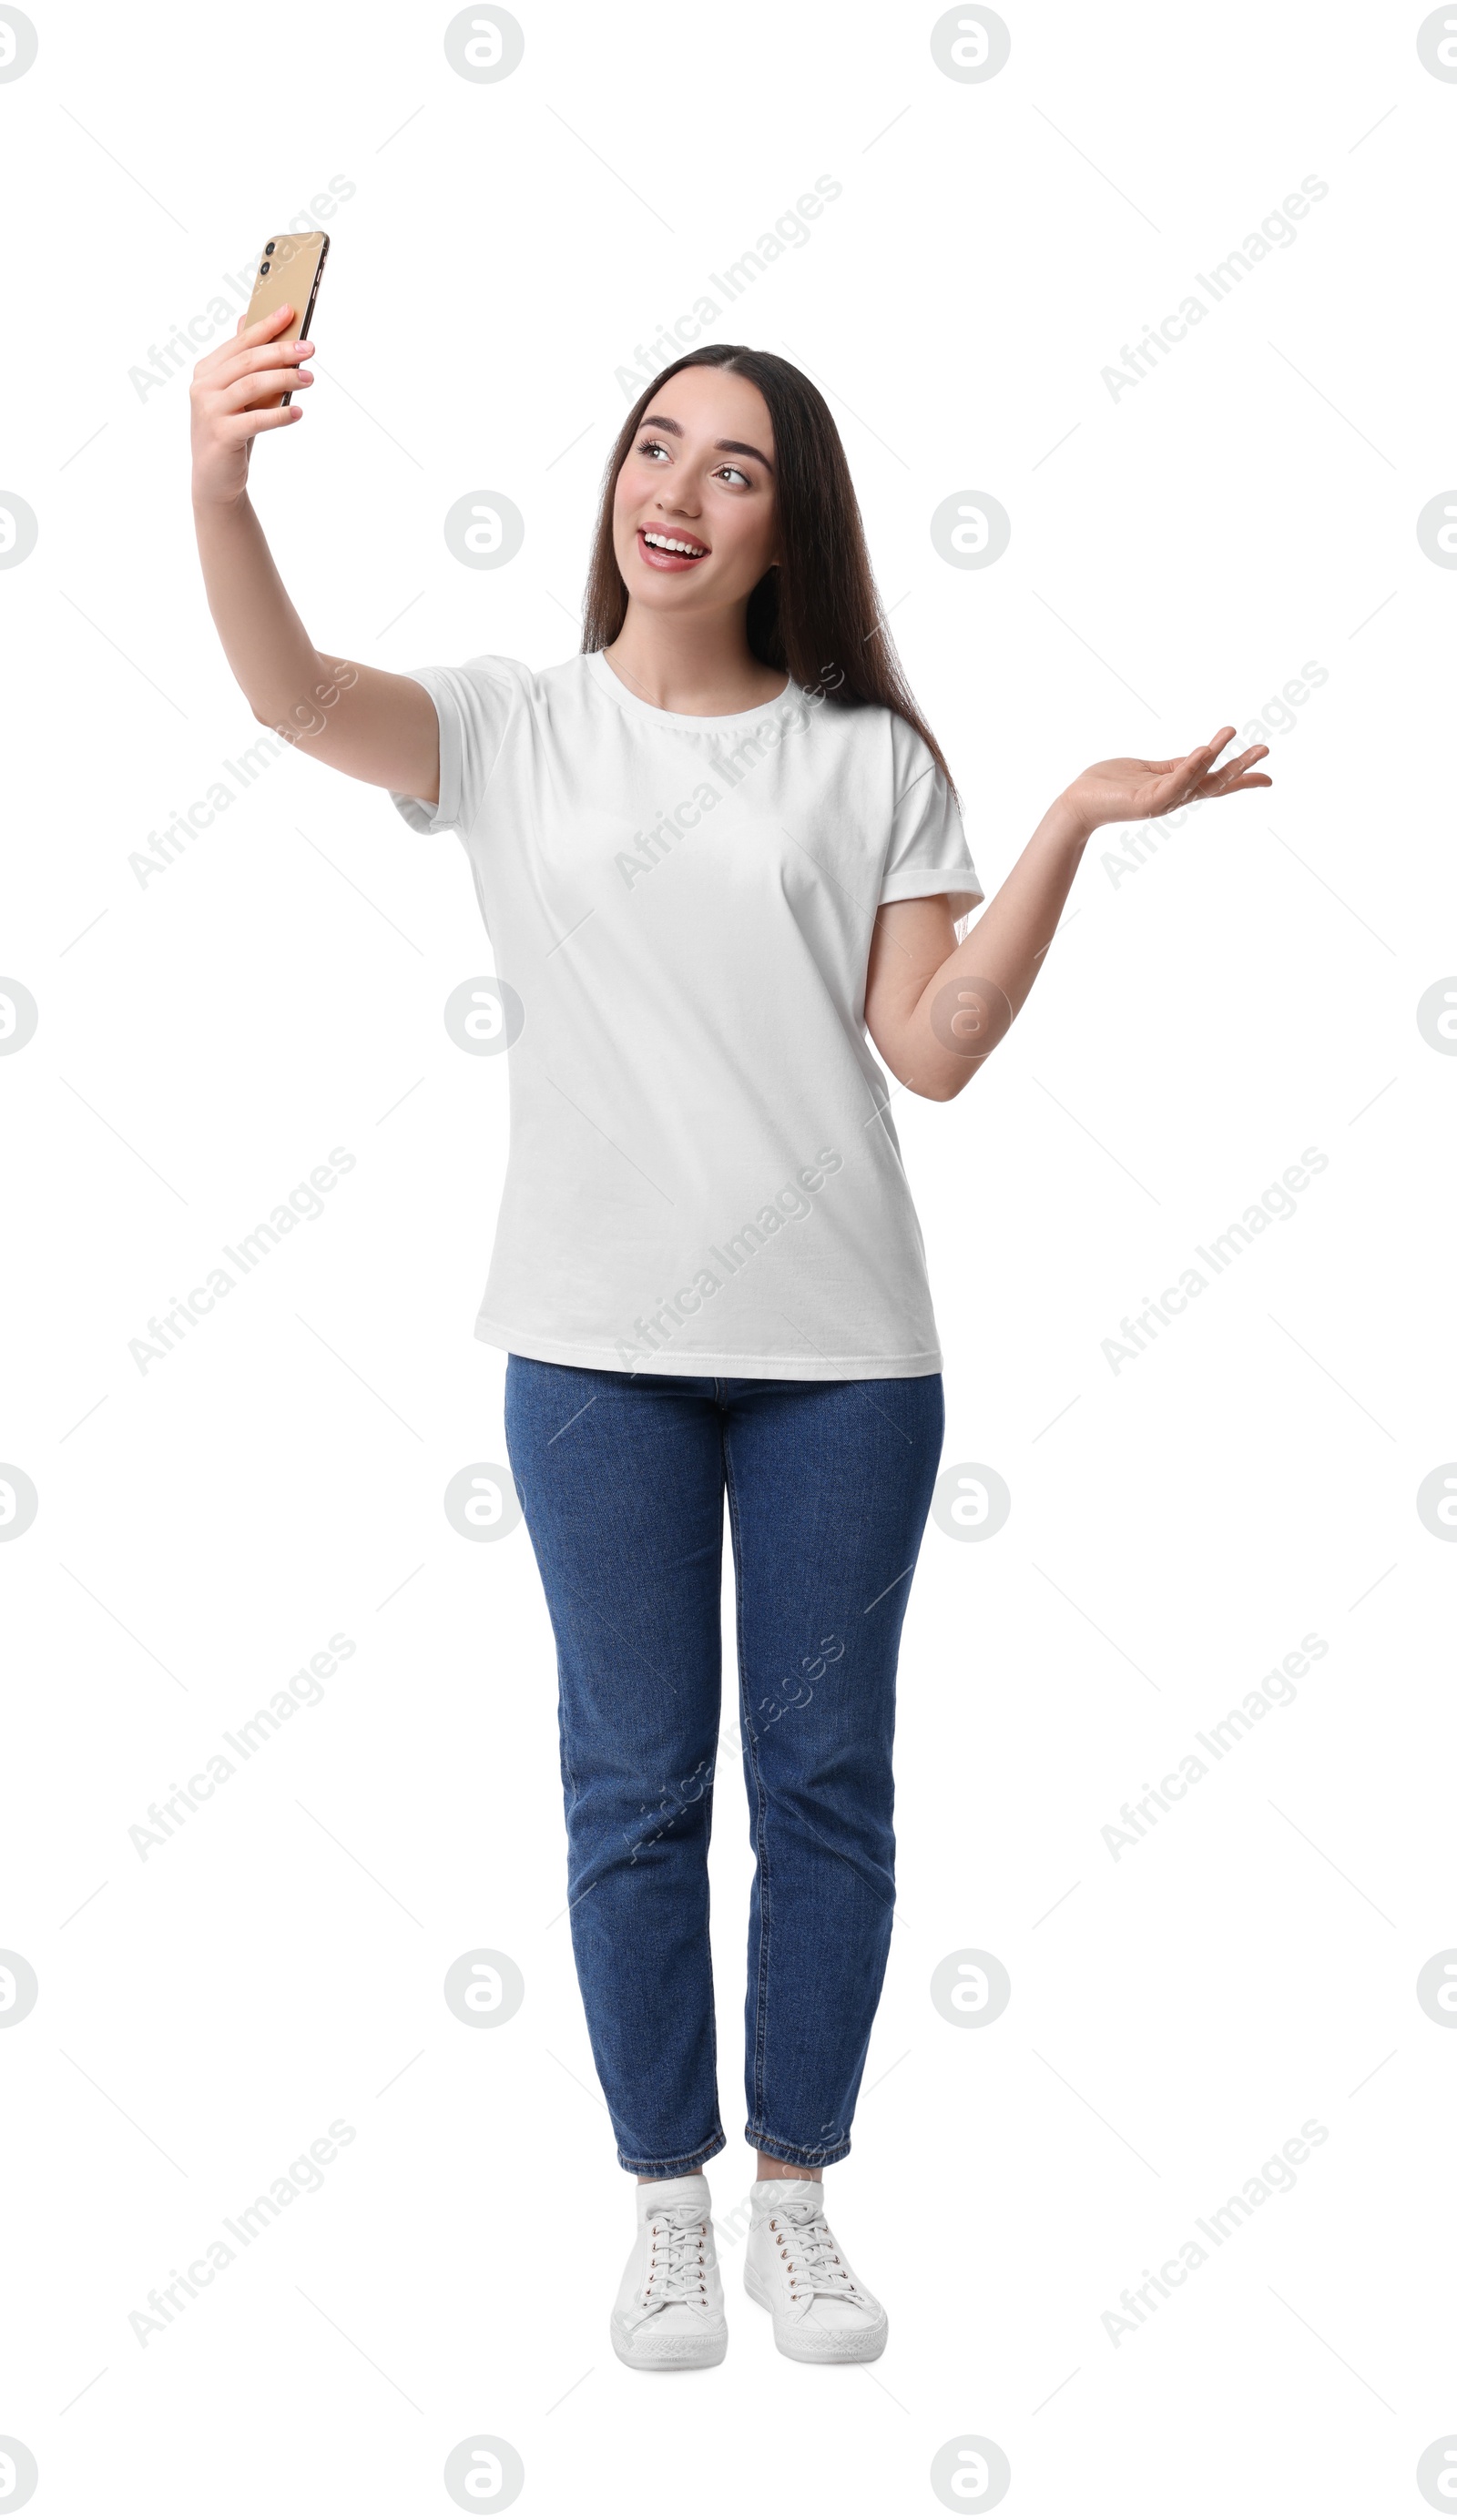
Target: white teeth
662 542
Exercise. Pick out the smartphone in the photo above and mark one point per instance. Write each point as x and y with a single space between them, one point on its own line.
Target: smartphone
289 269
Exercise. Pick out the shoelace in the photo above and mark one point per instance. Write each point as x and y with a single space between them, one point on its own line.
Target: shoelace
812 2258
676 2259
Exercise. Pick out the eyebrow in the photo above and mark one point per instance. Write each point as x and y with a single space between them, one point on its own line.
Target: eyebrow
721 445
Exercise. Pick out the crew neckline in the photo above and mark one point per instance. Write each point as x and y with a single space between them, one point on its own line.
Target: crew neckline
614 684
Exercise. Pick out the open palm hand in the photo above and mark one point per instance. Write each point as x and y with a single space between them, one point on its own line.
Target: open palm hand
1138 791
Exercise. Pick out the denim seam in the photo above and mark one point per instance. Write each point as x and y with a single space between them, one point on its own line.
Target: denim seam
708 1892
568 1762
708 1938
808 2157
760 1839
675 2165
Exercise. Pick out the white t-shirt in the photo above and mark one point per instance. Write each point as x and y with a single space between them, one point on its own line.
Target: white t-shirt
704 1177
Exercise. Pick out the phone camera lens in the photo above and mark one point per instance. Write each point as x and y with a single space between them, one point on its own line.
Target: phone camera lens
262 267
268 247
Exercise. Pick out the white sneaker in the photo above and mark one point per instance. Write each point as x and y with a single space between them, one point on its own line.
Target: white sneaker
794 2267
670 2313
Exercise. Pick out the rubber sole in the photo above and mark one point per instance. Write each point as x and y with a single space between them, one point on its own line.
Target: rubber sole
671 2353
824 2344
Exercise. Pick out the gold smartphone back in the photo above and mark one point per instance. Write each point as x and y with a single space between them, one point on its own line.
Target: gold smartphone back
289 268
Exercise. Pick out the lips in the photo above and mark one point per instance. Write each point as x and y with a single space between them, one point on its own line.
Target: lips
673 559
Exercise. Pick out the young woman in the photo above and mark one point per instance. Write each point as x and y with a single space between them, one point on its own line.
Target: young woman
714 851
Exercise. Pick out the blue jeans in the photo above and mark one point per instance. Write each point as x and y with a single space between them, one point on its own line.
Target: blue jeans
621 1479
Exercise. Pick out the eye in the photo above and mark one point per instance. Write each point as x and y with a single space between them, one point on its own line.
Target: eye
651 446
738 475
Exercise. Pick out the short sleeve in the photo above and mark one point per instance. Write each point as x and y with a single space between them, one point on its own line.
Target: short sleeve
927 854
474 703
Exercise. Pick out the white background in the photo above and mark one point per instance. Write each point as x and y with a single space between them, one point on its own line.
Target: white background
206 1037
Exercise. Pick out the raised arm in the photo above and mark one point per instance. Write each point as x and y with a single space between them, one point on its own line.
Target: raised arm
936 1010
375 726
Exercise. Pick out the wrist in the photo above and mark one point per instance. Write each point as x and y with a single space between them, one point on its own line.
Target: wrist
1066 820
218 503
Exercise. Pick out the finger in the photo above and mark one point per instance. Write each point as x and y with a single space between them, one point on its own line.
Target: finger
1252 779
252 389
1220 779
1189 778
1182 777
1197 764
252 382
225 367
240 362
238 427
264 325
1204 756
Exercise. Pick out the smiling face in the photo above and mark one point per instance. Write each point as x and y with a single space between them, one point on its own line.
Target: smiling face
694 520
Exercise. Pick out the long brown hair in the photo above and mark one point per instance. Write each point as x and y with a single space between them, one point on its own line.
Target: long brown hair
818 613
